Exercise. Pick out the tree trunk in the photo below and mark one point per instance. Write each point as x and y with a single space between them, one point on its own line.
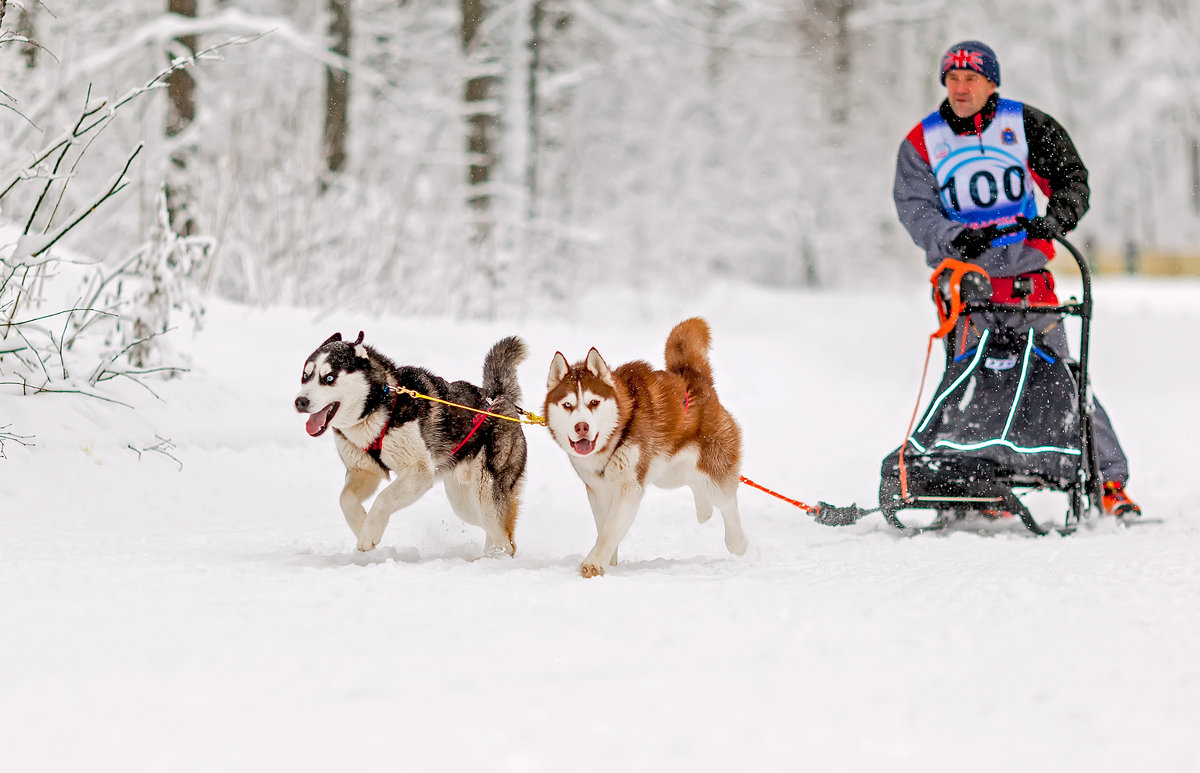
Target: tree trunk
831 42
719 9
27 28
535 66
337 91
481 122
181 111
1196 175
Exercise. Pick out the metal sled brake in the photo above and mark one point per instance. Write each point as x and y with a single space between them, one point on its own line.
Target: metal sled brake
1032 429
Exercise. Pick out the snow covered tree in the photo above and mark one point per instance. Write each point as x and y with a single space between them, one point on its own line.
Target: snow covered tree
181 112
480 116
337 88
542 147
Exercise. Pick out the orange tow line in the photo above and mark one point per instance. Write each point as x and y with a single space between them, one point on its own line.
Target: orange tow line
806 508
948 318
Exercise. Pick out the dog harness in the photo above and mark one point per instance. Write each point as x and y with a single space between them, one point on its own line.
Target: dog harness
375 450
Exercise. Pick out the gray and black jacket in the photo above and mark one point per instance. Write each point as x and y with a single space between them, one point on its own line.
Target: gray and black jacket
1053 161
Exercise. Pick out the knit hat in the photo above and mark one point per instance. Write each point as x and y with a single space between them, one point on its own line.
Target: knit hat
972 55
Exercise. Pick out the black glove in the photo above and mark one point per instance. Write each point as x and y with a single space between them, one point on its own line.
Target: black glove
1044 227
973 242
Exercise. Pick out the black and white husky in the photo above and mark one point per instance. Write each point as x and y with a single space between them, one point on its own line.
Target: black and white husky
380 431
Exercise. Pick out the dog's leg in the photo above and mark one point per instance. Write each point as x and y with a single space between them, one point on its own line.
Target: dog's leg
616 523
360 484
735 536
478 499
600 506
498 516
398 494
502 522
704 506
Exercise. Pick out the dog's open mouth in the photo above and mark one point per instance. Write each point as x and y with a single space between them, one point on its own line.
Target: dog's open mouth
319 422
583 446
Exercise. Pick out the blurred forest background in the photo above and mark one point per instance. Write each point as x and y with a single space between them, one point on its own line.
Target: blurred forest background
477 157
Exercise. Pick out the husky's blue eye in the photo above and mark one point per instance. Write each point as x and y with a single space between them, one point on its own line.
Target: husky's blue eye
328 379
567 406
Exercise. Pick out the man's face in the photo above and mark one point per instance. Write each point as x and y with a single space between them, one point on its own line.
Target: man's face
967 91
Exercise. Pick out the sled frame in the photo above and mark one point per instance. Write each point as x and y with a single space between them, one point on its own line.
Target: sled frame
1084 490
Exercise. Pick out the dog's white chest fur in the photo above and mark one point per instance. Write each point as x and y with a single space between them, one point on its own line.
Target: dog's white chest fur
402 447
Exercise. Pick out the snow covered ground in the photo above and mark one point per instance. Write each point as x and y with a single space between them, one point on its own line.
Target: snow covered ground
216 616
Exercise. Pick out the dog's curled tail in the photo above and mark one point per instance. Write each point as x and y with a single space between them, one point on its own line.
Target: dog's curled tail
500 368
687 351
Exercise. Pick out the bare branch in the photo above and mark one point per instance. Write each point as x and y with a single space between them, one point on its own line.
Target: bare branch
75 134
19 439
30 247
29 345
32 389
57 313
103 113
102 368
163 446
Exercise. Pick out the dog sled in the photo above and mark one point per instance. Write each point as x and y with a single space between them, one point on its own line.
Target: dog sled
1009 417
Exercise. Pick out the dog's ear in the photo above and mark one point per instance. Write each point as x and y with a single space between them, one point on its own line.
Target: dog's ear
598 367
332 338
558 371
360 351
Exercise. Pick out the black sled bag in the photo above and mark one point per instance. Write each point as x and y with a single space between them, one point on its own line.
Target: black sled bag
1006 409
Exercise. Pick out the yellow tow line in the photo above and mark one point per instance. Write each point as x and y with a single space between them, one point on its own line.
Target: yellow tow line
532 418
529 416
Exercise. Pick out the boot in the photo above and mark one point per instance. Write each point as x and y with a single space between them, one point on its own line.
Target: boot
1116 502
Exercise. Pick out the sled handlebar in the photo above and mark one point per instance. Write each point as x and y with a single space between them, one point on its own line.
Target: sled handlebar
1083 310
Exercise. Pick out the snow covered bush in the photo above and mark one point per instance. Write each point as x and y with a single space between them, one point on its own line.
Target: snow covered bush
68 324
137 304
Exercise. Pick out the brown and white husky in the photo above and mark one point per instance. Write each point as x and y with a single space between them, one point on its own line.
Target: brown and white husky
631 427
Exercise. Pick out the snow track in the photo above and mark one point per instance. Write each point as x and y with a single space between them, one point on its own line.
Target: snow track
218 618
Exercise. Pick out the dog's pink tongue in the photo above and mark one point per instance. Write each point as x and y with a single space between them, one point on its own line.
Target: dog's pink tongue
315 423
583 446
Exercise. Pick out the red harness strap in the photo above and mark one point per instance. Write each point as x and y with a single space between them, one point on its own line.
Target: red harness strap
479 417
375 448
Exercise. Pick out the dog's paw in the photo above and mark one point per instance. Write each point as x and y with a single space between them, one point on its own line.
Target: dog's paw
492 550
591 569
370 534
737 542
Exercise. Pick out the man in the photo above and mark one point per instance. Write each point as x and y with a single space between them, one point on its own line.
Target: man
967 171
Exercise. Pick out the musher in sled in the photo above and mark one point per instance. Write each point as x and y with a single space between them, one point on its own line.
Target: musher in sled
964 181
